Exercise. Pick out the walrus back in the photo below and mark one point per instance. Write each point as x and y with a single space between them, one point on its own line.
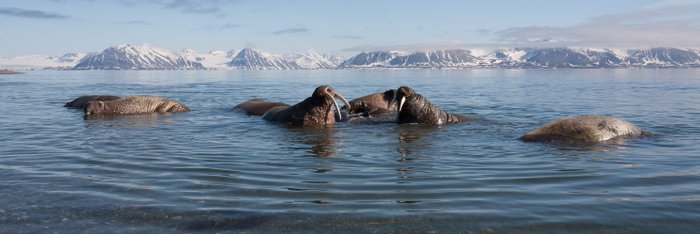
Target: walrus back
275 114
585 128
258 106
371 104
456 118
172 106
142 104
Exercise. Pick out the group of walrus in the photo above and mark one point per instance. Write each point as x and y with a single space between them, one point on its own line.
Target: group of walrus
408 106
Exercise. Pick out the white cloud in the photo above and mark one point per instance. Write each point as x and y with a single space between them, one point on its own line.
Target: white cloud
670 24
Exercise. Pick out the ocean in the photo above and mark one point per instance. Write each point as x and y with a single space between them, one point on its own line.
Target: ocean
217 169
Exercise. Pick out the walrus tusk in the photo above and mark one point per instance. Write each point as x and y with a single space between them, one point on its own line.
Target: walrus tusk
403 99
335 103
344 100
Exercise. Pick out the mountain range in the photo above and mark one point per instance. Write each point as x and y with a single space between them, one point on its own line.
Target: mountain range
529 58
146 57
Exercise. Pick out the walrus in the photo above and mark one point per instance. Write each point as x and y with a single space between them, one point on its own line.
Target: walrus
134 105
414 108
80 102
372 104
316 110
582 129
258 106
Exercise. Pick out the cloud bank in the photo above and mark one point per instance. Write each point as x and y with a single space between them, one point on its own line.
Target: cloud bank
672 24
663 26
290 31
208 7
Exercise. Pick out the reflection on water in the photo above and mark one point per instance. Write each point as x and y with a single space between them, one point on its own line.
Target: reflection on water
409 133
411 138
142 120
611 145
320 140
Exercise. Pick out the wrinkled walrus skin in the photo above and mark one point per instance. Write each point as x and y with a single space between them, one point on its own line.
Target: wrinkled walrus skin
80 102
316 110
583 129
134 105
414 108
258 106
372 104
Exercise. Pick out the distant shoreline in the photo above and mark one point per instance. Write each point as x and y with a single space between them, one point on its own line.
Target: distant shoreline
399 69
5 71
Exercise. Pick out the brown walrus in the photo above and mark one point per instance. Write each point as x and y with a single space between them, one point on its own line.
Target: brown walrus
372 104
414 108
80 102
257 106
583 128
316 110
134 105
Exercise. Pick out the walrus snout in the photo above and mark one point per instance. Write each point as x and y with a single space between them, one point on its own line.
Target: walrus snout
79 103
93 107
400 94
331 95
313 111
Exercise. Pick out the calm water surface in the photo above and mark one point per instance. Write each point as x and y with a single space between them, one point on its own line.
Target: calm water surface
216 169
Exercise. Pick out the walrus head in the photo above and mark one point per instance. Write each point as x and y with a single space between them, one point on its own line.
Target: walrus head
328 95
414 108
389 94
94 107
400 95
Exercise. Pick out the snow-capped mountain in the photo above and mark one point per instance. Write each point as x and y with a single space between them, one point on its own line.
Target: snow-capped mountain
538 58
437 58
503 58
313 60
253 59
188 54
664 57
529 58
145 57
215 59
136 57
604 58
371 59
335 59
557 58
37 62
427 59
72 58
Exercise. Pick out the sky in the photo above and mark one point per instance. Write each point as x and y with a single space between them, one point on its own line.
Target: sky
54 27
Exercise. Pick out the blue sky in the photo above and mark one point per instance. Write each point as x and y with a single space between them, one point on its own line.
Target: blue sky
345 27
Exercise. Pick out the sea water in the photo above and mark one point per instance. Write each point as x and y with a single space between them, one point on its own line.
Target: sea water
218 169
